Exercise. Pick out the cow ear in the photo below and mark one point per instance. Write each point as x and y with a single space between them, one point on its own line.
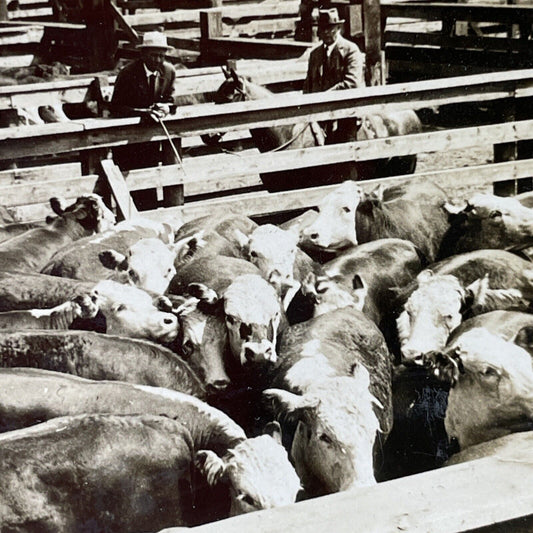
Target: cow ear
113 260
475 294
242 240
55 204
185 249
424 276
274 430
453 209
226 72
285 402
203 293
211 465
524 339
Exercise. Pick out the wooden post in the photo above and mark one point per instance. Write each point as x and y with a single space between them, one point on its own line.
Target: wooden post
119 189
3 9
101 35
210 27
373 42
305 30
506 152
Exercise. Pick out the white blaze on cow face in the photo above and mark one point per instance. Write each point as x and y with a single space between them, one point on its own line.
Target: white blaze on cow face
105 217
430 314
130 312
273 251
334 227
258 473
493 392
332 449
253 314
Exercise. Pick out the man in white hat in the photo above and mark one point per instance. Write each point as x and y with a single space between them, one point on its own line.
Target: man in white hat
145 88
335 64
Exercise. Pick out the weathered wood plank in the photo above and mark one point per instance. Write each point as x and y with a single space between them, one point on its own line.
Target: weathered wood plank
119 189
25 175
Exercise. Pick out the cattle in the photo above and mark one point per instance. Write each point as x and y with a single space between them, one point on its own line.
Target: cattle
333 379
60 317
276 254
126 473
30 251
97 356
491 390
474 282
488 221
12 229
411 211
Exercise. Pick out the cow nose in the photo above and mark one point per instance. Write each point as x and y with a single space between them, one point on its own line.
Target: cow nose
168 321
218 385
313 236
249 354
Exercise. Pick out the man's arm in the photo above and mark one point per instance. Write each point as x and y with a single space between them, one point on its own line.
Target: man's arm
353 71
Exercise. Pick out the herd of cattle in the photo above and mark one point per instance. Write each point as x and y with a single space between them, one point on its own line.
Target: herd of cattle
156 376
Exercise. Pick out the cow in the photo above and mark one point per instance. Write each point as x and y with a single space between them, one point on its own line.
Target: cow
488 221
12 229
333 379
491 382
411 211
440 297
128 473
60 317
276 254
30 251
99 356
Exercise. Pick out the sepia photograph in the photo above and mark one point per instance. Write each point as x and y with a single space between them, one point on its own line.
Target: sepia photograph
266 266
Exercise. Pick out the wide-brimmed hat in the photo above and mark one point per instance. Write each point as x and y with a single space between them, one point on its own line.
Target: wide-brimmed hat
154 40
329 17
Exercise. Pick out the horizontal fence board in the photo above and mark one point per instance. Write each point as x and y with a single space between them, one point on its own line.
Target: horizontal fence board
263 202
24 175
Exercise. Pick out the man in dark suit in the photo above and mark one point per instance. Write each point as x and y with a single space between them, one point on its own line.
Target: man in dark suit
335 64
145 88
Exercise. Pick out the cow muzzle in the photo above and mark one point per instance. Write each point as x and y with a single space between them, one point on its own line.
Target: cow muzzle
258 352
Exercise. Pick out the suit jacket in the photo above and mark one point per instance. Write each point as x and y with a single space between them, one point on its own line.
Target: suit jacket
132 91
344 68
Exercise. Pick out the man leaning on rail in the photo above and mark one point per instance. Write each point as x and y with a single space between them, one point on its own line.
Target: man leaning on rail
145 88
335 64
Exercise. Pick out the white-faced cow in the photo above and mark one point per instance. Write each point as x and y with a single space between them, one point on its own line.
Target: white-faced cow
410 211
62 316
491 391
98 356
333 379
127 473
488 221
31 251
474 282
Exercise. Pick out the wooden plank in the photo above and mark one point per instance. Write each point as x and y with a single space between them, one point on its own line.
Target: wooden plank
119 189
41 191
467 12
118 17
226 48
32 34
30 174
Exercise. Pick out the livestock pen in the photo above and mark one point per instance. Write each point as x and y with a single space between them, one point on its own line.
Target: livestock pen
491 494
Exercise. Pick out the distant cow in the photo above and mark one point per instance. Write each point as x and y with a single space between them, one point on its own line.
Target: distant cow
60 317
30 251
491 386
97 356
333 378
474 282
128 473
488 221
411 211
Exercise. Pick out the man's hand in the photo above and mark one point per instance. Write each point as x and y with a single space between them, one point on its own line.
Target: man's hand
159 111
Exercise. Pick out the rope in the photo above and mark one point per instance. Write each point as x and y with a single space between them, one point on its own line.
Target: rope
173 146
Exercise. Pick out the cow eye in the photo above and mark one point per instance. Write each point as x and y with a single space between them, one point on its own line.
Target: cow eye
346 209
187 348
133 275
490 372
326 438
247 499
253 254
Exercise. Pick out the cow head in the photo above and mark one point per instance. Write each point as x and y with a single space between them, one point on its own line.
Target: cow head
148 264
89 211
203 342
273 251
86 305
329 294
334 226
257 472
130 312
436 307
337 426
492 386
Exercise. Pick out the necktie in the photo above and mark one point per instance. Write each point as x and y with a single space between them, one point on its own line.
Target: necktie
152 87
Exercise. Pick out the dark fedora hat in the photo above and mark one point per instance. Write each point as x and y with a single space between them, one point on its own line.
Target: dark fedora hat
329 17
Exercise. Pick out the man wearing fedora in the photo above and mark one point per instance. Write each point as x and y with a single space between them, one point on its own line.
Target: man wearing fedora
335 64
145 88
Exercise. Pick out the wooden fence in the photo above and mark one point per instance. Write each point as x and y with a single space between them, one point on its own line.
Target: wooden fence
224 175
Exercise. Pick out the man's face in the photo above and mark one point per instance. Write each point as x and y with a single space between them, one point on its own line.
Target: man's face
153 58
328 34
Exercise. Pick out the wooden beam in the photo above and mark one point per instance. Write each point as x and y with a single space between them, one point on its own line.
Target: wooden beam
119 189
118 17
31 174
227 48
